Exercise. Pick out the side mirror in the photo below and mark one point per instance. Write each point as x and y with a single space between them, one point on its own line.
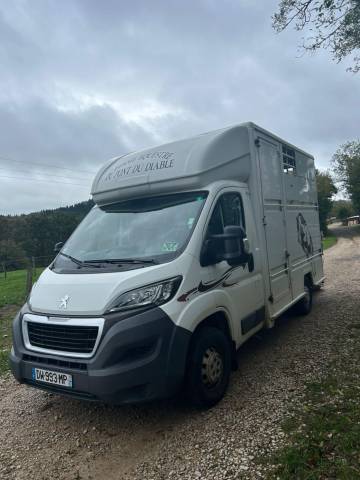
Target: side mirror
246 245
58 246
236 246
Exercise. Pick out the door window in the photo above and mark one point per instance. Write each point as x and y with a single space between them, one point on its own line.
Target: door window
228 211
215 226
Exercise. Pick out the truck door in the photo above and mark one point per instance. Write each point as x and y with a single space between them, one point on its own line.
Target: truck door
242 291
274 220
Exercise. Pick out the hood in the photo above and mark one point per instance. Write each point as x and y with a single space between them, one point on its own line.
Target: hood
92 294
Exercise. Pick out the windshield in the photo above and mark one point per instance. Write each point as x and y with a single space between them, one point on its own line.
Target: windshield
155 228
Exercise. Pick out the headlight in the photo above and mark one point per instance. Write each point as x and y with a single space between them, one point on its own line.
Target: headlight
150 295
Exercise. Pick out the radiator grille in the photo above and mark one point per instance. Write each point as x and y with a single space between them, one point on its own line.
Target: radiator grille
64 338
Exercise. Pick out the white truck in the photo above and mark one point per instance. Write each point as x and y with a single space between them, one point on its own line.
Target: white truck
192 247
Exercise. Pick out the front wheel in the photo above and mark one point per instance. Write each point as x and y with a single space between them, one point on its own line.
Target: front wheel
304 306
209 367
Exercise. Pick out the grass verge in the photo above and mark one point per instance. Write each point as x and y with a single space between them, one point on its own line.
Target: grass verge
329 241
12 296
323 435
4 361
13 287
6 316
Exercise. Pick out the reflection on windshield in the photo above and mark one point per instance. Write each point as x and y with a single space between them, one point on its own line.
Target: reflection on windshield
151 227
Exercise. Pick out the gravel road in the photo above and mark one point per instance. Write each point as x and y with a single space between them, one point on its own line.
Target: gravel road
43 436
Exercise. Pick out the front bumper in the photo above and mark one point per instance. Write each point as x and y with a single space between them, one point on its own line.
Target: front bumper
139 358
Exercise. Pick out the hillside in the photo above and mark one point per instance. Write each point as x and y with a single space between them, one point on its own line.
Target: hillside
35 234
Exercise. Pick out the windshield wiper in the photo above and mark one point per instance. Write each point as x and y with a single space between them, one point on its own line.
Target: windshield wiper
79 262
139 261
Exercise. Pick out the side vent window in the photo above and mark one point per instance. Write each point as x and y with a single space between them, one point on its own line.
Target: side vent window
289 163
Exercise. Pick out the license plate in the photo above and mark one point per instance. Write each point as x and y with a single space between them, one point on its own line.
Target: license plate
55 378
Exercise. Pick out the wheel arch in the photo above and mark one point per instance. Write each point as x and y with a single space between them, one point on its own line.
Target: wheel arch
220 319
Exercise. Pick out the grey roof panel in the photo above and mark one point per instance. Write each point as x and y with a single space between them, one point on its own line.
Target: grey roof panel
185 164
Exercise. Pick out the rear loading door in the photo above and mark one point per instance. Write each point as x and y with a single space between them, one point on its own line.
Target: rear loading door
274 224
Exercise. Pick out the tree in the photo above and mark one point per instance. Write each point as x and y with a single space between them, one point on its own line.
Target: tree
332 24
11 254
346 165
326 190
342 209
35 234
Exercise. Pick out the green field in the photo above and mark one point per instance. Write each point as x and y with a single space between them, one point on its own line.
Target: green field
13 287
12 296
5 337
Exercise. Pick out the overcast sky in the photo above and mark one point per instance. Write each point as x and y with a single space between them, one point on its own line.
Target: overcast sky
85 80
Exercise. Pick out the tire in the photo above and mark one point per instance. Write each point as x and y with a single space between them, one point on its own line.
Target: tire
304 306
208 368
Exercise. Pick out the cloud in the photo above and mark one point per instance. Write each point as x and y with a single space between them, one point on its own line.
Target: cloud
84 80
81 137
37 137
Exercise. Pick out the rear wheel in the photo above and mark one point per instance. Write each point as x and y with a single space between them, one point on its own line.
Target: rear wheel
209 366
304 306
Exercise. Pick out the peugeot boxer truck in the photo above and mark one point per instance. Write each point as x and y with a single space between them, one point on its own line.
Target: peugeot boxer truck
191 248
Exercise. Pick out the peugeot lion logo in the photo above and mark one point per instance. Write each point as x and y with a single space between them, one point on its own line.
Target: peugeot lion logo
64 301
